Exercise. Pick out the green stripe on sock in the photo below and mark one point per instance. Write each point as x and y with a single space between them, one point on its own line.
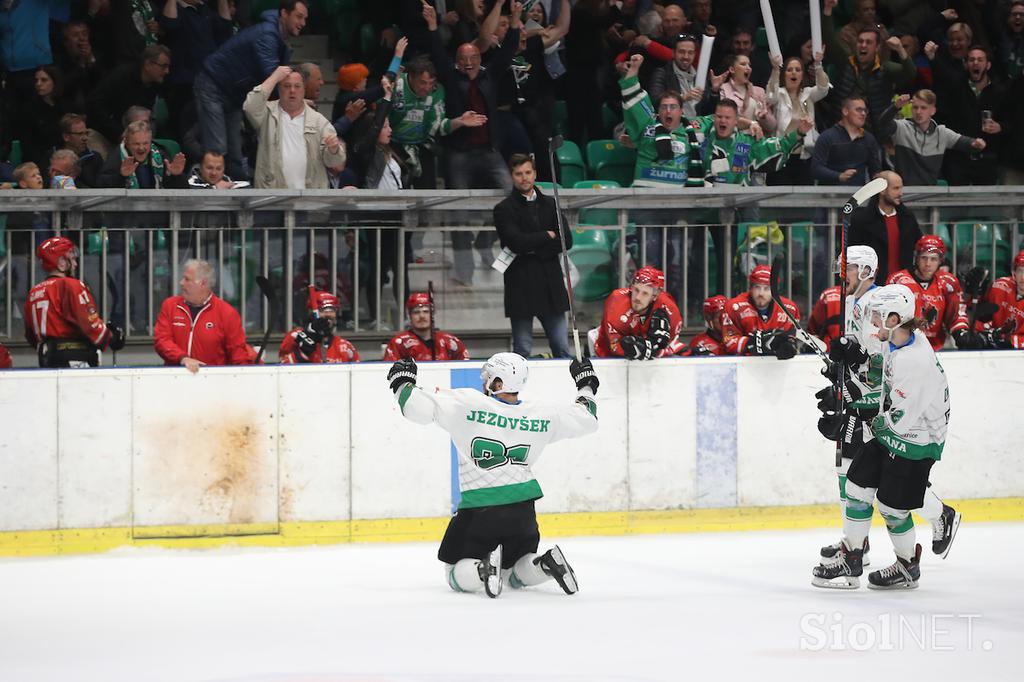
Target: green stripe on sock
899 526
842 487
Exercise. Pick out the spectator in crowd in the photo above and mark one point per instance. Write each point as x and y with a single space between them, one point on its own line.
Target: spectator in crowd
967 101
312 81
197 328
527 224
641 322
938 292
888 227
296 142
754 324
921 143
921 62
61 318
75 134
137 163
846 153
679 75
209 174
28 176
700 18
473 159
1006 327
24 44
792 102
136 27
316 342
422 341
82 71
419 118
1011 41
38 125
742 45
710 341
129 84
587 57
863 72
646 42
864 18
352 88
1011 116
751 100
193 29
63 169
238 66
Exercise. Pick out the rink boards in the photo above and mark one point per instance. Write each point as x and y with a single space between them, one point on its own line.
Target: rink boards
296 455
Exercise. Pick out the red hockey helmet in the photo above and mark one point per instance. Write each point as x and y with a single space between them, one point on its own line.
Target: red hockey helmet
650 275
1018 260
931 243
762 274
714 306
50 251
322 300
417 299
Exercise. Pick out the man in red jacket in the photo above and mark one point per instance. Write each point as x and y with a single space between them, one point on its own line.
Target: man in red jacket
197 328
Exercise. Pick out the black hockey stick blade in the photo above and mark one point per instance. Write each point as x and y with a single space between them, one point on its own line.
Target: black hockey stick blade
268 292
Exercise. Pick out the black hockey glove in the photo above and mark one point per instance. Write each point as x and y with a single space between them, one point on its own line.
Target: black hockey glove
659 332
975 282
402 372
315 329
305 343
783 345
636 348
998 338
828 398
848 348
116 337
984 310
837 425
759 343
582 372
968 340
930 314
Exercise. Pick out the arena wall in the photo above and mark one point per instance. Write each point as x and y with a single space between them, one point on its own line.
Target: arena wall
93 459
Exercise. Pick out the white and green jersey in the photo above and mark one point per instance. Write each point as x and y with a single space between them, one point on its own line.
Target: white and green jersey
497 442
916 400
858 325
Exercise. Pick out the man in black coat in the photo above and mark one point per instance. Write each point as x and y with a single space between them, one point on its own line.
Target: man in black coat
887 226
527 225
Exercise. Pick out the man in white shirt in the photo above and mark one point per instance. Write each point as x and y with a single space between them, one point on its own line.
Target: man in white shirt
296 143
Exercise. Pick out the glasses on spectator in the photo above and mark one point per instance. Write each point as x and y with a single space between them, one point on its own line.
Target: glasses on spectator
686 36
162 65
668 106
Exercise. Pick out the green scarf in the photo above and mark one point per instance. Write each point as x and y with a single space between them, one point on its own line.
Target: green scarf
156 164
142 12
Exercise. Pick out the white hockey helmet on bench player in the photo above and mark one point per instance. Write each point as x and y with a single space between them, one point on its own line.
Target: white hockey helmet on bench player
510 368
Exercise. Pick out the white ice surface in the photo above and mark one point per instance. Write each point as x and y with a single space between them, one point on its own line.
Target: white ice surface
676 607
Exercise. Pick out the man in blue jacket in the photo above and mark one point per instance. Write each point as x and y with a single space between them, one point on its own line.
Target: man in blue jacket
238 66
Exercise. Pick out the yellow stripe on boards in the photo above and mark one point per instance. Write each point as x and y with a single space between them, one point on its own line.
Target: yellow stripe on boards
89 540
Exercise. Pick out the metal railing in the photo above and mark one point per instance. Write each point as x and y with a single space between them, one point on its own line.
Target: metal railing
133 243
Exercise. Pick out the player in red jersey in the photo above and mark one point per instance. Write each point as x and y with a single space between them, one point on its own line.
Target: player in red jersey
1006 328
61 320
418 342
824 319
753 324
5 358
642 321
939 295
710 341
307 344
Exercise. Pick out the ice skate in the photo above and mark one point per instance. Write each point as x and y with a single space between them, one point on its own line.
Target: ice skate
490 573
829 551
944 531
842 571
901 575
553 563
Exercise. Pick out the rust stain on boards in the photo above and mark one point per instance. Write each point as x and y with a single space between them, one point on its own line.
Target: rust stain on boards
238 472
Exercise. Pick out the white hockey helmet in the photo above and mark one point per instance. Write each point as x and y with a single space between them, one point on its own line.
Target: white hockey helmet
894 299
510 368
865 258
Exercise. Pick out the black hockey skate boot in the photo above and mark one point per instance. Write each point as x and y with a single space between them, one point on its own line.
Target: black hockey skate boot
944 531
490 573
901 575
842 571
553 563
829 551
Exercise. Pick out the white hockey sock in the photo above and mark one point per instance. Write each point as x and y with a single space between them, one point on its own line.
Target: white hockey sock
528 573
464 575
857 518
932 508
901 530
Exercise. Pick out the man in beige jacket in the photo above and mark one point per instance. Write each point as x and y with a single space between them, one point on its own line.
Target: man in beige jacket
296 143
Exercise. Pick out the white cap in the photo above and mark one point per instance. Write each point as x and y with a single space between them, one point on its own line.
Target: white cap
894 299
865 257
509 367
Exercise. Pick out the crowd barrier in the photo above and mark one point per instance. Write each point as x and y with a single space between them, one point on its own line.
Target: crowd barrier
92 459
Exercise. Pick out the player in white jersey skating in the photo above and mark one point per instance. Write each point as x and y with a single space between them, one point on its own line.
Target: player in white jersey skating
493 536
863 351
909 436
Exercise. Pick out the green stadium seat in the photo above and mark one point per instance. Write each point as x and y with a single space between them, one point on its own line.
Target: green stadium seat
546 186
609 118
598 216
609 160
15 156
571 164
983 233
592 253
761 38
168 144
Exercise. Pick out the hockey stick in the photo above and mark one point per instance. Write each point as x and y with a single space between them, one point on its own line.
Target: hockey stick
433 329
869 190
268 292
553 144
801 333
